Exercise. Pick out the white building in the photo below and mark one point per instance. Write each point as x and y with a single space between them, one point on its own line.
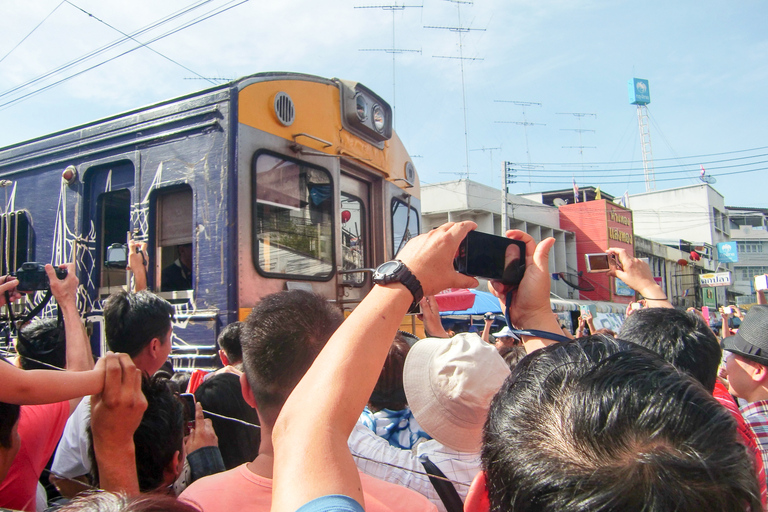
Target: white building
749 228
467 200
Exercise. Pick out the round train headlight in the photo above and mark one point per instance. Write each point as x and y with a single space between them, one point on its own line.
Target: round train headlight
379 119
362 107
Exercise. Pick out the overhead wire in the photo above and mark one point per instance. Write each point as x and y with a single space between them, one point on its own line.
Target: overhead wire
31 31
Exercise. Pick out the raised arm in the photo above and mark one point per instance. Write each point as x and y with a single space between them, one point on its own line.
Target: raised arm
638 276
138 259
312 459
430 315
32 387
79 356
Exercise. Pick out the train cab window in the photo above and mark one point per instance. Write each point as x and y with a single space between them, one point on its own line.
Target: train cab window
292 218
15 235
352 239
114 210
405 224
174 240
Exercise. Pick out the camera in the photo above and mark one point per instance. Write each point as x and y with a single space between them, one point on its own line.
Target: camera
32 277
601 262
116 256
492 257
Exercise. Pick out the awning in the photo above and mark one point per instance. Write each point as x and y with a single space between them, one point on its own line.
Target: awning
562 305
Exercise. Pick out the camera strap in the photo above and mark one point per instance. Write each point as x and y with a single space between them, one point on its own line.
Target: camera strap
518 333
17 324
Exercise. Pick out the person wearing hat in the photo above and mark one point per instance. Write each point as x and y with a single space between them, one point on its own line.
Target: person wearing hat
505 338
449 384
747 365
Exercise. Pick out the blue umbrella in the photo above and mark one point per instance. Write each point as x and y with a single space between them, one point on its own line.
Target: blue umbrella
485 302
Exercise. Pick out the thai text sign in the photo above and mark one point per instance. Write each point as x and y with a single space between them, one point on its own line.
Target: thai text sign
716 279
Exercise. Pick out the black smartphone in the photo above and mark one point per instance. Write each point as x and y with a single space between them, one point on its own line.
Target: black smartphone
188 401
492 257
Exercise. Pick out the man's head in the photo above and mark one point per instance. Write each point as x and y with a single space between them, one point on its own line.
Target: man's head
389 392
9 436
185 255
747 363
43 341
158 440
505 338
601 424
680 338
230 350
139 324
281 338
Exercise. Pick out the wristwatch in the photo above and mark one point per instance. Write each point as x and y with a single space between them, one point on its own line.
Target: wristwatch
395 271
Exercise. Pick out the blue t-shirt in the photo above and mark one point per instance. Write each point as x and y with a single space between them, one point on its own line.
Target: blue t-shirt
332 503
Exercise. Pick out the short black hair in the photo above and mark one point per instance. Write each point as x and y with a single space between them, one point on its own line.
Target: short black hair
9 416
221 394
389 392
42 340
681 338
159 436
229 342
601 424
132 320
281 339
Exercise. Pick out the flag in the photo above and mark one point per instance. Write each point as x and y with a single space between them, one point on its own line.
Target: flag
703 172
575 191
598 195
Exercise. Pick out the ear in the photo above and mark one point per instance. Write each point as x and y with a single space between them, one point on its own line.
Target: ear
477 497
247 392
759 373
173 469
223 357
154 347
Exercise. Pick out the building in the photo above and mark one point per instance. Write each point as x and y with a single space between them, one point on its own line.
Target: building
749 229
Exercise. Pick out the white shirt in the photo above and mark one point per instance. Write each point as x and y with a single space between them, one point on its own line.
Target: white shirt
71 459
457 466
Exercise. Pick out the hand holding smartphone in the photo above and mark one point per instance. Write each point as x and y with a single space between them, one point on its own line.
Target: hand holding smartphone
601 262
492 257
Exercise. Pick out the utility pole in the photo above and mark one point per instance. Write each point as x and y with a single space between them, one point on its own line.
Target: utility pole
460 30
394 50
507 177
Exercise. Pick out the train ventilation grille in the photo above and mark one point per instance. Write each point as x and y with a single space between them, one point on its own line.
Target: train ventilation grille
284 109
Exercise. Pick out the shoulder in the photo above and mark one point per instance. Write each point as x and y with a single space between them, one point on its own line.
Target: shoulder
383 496
222 490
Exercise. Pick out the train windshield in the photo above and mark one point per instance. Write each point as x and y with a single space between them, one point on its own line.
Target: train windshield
405 224
292 219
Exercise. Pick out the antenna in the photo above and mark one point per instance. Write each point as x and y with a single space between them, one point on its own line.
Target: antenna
490 151
395 51
459 29
525 124
581 147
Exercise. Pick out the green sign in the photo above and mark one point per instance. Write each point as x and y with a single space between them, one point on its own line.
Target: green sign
708 297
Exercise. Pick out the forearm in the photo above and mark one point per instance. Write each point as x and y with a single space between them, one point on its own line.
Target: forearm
117 466
140 280
34 387
79 355
654 296
761 297
487 332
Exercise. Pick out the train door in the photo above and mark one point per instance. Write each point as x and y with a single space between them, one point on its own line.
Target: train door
106 221
357 244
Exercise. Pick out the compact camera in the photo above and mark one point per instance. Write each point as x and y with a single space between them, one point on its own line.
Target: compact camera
492 257
32 277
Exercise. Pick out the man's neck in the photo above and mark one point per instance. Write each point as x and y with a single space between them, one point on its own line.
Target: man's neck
758 394
262 464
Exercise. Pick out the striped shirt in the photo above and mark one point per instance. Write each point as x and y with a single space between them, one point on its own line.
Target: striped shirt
756 416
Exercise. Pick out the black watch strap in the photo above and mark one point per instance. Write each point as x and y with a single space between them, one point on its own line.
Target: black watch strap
404 276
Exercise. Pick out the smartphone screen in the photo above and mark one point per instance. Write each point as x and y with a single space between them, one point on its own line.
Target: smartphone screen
492 257
188 401
597 262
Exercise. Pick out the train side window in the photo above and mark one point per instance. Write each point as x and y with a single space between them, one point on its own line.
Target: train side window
405 224
115 217
15 238
292 218
353 238
174 240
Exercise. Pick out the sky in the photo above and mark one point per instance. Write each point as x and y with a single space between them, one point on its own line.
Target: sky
706 62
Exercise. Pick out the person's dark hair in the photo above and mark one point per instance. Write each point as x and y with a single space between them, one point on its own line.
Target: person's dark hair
513 355
281 338
43 341
103 501
229 341
179 381
9 416
601 424
159 436
132 320
221 394
680 338
389 392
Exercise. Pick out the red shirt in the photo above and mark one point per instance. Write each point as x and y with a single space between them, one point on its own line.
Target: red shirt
747 436
40 427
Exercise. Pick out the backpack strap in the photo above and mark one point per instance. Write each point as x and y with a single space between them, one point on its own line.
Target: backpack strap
444 488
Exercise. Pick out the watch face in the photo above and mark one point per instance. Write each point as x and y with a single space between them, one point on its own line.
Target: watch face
388 268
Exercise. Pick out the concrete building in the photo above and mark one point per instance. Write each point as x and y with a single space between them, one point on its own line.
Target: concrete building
749 229
678 281
467 200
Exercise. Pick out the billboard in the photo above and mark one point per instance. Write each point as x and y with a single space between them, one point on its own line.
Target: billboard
716 279
639 92
727 253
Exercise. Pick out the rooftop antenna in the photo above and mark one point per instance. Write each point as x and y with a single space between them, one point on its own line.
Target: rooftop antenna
490 151
394 50
460 30
525 124
640 95
581 147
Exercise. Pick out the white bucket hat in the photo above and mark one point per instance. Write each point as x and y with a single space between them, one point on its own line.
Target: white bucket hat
505 332
449 384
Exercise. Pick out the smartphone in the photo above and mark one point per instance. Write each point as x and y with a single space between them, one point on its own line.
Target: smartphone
188 401
761 282
728 310
600 262
637 305
492 257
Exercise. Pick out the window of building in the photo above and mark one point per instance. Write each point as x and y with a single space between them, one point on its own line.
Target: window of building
405 224
718 219
114 211
352 238
292 218
749 247
748 273
174 248
15 238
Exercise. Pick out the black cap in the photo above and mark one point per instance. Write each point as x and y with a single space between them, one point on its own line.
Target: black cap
751 340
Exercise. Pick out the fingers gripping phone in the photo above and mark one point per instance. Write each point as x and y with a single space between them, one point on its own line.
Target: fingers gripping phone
492 257
188 401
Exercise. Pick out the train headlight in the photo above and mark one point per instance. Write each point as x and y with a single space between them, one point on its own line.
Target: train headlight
362 107
379 118
365 113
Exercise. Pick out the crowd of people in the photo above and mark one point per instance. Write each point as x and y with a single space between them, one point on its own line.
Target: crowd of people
313 411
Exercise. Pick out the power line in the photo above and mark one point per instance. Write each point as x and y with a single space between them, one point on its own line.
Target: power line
32 31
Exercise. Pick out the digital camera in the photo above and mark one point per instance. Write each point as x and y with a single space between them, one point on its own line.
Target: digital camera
32 277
